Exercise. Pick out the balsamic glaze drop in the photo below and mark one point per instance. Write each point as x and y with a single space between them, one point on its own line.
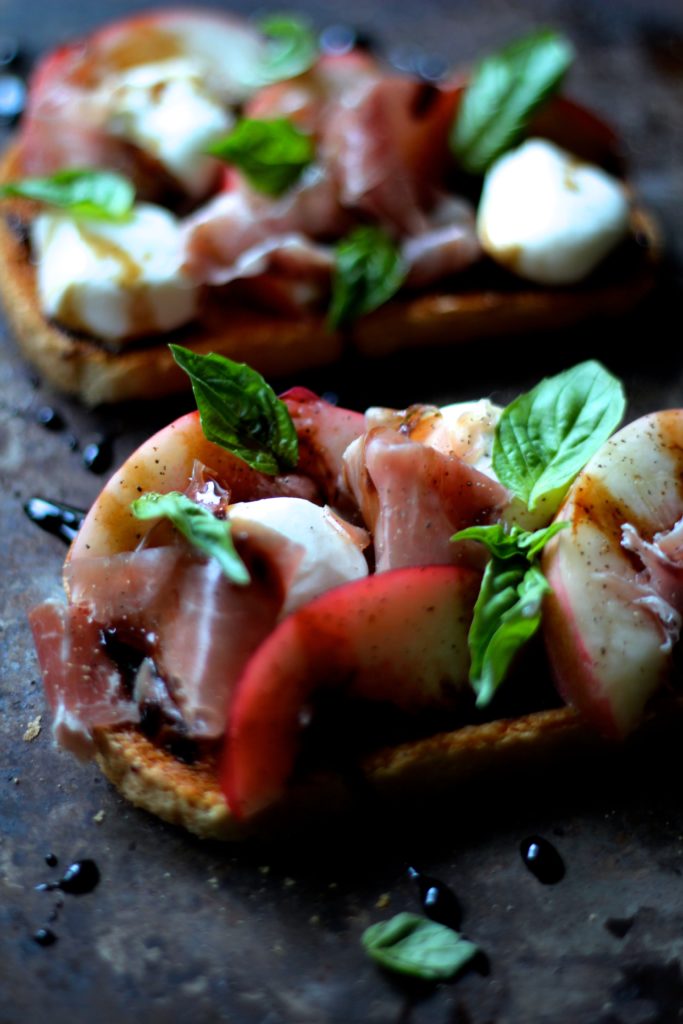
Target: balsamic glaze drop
438 901
99 455
49 418
54 517
80 877
44 937
542 860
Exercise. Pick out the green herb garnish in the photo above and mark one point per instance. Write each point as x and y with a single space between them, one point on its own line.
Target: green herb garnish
508 609
506 90
291 47
271 154
240 411
410 944
198 525
368 270
545 437
103 195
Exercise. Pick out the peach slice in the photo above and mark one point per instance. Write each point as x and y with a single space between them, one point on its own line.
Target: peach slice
399 636
608 629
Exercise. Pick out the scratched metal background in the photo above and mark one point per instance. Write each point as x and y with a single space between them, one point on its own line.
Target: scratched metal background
180 929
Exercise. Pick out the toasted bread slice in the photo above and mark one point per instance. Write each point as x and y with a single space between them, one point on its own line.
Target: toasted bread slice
190 795
487 304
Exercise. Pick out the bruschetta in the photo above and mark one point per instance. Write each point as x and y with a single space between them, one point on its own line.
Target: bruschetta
284 204
272 595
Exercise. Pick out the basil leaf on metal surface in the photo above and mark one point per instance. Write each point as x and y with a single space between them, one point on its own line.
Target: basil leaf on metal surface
240 411
291 48
410 944
508 609
197 524
506 89
271 154
103 195
368 270
545 437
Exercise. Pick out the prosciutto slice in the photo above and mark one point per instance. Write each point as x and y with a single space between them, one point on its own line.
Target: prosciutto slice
82 685
413 498
325 431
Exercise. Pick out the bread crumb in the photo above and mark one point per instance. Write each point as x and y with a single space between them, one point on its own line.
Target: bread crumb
383 901
99 817
33 729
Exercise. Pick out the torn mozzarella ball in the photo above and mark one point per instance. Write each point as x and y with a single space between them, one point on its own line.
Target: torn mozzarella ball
115 280
549 217
331 550
166 110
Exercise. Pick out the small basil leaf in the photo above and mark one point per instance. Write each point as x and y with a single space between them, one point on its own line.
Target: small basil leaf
240 411
409 944
545 437
369 269
271 154
291 48
505 542
198 525
507 612
103 195
506 615
506 89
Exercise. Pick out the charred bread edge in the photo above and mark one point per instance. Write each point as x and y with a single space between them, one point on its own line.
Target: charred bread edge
277 345
190 795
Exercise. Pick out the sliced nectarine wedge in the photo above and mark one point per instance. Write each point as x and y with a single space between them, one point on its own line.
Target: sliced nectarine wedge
399 636
611 619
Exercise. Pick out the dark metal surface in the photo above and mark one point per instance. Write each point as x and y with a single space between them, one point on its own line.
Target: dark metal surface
179 929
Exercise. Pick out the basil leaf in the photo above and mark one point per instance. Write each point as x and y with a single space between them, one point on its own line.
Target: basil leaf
410 944
240 411
104 195
368 270
506 89
505 542
291 48
196 523
271 154
544 438
507 612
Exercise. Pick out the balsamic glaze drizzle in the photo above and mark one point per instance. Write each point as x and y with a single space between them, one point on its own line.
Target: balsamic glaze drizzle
54 517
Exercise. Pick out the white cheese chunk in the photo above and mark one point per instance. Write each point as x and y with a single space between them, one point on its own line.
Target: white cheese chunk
549 217
113 280
166 110
330 552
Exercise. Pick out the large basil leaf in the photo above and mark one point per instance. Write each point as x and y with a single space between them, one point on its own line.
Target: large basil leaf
545 437
506 89
240 411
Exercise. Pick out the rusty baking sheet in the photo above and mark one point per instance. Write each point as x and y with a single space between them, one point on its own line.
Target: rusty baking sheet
270 934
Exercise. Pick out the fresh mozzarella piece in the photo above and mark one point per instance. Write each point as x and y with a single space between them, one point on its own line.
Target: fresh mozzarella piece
330 550
549 217
166 110
113 280
467 429
464 429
